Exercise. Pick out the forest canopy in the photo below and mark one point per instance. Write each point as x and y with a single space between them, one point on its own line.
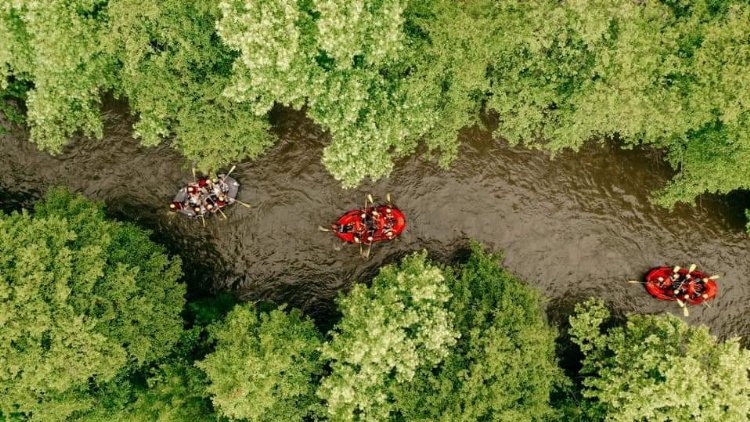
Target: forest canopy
93 327
83 302
384 76
658 368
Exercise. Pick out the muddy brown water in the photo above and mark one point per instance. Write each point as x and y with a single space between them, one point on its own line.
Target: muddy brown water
576 226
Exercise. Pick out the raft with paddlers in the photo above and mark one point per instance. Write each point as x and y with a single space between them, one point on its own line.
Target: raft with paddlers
369 225
205 196
685 286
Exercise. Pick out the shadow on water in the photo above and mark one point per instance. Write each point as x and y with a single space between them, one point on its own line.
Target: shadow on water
574 227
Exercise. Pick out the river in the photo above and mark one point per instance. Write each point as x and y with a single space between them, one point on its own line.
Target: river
576 226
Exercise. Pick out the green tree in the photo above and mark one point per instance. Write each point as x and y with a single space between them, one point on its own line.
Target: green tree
503 366
56 46
379 75
663 73
173 71
173 390
82 300
163 56
264 366
658 368
387 332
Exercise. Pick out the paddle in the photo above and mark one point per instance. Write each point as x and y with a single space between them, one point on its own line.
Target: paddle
685 311
714 277
323 229
692 268
369 249
369 197
230 171
636 282
388 198
244 204
676 269
222 213
193 169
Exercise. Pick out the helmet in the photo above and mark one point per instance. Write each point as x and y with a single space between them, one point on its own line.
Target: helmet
704 295
172 205
221 197
209 206
215 180
363 215
191 189
369 238
197 209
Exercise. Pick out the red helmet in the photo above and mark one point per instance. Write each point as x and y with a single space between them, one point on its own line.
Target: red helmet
191 189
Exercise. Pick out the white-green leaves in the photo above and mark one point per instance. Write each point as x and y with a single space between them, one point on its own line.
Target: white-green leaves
386 333
264 366
659 368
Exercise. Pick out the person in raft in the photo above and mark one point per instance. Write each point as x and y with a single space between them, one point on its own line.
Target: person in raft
205 195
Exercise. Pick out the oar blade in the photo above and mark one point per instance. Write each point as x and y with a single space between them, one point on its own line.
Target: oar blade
244 204
323 229
685 311
714 277
676 269
692 268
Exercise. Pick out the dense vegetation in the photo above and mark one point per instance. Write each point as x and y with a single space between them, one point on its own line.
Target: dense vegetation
659 368
83 302
92 327
382 76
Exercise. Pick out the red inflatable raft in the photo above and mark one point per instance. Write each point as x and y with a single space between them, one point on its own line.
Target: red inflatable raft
370 225
691 287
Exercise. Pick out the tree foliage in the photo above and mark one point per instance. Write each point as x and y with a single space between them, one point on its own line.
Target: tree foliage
164 56
367 71
264 366
665 73
56 45
503 366
173 70
172 391
382 76
387 332
82 300
659 368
